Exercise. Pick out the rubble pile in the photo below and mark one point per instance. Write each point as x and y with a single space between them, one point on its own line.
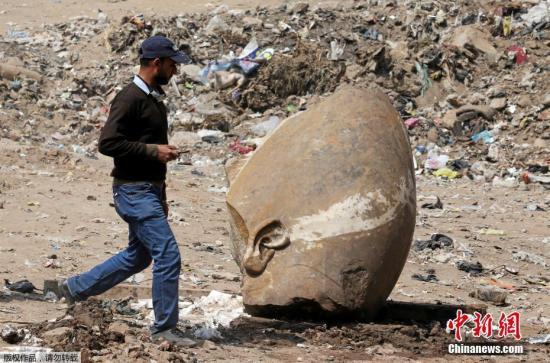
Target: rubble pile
306 71
106 330
468 78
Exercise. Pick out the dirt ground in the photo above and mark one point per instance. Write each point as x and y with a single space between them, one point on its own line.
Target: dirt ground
58 203
54 202
16 15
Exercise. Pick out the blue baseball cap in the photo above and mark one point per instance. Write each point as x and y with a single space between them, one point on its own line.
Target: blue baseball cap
162 47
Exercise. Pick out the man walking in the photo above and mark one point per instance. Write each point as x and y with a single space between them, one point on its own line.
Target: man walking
135 135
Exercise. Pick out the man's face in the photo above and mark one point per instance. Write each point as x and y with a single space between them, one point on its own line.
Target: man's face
165 68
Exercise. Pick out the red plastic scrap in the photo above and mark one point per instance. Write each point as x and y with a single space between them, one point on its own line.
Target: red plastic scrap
240 148
520 56
412 122
525 178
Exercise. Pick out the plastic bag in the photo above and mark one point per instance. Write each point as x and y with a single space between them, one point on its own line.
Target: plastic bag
435 161
484 135
250 50
446 173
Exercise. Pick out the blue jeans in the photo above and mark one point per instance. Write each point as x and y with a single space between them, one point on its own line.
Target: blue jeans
150 239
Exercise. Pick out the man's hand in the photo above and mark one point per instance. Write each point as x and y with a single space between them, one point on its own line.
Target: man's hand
166 153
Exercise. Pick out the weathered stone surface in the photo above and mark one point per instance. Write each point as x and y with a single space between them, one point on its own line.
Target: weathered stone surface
323 212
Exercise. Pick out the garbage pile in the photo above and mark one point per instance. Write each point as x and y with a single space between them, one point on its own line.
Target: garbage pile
468 78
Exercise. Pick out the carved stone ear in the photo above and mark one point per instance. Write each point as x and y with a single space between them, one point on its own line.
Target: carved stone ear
272 236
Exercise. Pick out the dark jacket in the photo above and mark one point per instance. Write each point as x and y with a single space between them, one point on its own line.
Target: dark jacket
137 123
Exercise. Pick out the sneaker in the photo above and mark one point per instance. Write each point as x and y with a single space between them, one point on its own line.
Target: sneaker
64 292
173 336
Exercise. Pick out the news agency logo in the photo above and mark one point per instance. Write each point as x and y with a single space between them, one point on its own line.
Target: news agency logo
481 326
508 325
484 349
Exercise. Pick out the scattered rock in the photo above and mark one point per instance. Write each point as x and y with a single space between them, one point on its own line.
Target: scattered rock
529 257
57 335
299 8
429 277
184 139
353 71
490 294
12 335
12 73
165 346
470 267
498 104
436 241
469 35
210 345
119 327
436 205
251 22
225 276
191 71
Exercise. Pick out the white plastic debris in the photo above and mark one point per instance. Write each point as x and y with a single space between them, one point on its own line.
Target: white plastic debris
222 190
212 311
265 127
540 339
142 303
435 160
537 14
509 182
206 314
529 257
51 296
136 279
250 48
203 160
443 257
220 10
336 50
206 133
